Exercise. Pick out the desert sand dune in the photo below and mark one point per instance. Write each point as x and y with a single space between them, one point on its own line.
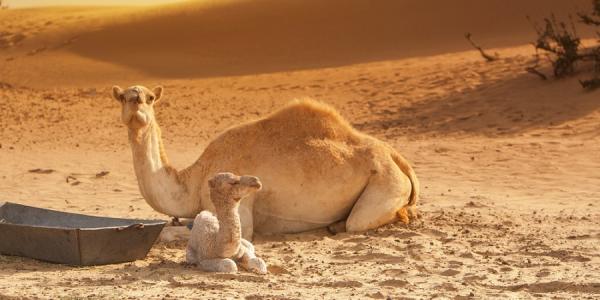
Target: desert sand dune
508 164
502 99
236 37
248 37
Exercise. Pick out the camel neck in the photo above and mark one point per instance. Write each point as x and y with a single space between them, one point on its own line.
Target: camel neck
161 185
147 147
230 231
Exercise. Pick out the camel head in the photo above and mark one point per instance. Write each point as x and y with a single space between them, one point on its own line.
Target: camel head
137 103
227 189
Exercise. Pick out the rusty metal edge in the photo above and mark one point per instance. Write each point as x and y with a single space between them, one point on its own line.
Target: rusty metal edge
148 222
79 247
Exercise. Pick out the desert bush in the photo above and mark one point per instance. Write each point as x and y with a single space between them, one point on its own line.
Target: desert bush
559 41
592 18
561 44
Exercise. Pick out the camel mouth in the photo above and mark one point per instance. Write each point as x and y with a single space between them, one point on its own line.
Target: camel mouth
256 185
141 117
251 182
136 118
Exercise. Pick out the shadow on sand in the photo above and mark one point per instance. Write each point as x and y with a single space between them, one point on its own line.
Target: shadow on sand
497 108
261 36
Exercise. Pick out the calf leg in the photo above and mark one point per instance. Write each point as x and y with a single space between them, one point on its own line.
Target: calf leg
224 265
249 261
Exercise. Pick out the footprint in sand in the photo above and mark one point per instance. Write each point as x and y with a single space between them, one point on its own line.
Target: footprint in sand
450 272
342 284
376 295
447 286
394 283
435 233
277 270
395 272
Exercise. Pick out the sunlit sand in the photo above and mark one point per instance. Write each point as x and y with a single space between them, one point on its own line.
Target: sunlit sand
508 163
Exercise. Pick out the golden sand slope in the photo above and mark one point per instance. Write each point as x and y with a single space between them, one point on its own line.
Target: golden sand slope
216 38
248 37
508 163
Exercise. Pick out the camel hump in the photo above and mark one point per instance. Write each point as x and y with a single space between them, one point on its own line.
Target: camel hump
408 170
308 107
310 118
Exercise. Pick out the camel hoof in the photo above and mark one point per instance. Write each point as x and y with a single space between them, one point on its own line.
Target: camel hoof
257 265
403 214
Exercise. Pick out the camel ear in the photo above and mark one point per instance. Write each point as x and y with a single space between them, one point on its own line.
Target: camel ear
117 93
158 92
211 183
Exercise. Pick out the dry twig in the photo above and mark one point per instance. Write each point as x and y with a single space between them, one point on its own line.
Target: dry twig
481 51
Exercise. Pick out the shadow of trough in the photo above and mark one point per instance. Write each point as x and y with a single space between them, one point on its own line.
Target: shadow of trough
17 264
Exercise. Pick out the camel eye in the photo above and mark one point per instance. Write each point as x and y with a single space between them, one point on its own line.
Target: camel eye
150 98
122 98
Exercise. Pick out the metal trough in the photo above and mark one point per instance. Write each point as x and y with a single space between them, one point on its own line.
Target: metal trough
74 239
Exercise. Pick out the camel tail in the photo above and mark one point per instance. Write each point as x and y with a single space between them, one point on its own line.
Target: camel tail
408 170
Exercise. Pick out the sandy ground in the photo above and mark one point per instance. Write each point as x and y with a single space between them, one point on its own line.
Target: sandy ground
508 163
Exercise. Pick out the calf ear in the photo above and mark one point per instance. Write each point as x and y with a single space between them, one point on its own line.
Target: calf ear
117 93
158 93
212 184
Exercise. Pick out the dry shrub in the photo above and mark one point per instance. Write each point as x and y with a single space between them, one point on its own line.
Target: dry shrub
560 43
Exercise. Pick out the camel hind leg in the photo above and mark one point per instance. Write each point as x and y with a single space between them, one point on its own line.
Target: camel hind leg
385 199
409 211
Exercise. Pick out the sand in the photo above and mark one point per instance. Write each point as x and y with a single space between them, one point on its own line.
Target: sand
508 163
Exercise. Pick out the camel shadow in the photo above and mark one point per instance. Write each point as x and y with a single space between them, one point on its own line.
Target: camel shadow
504 107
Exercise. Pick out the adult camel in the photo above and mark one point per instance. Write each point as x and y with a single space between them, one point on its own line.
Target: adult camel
317 171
